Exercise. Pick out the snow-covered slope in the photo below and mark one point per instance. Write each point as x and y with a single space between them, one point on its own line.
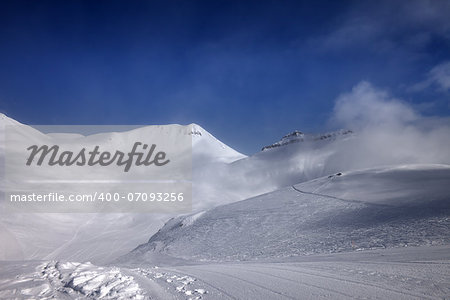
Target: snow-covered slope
206 148
96 237
375 208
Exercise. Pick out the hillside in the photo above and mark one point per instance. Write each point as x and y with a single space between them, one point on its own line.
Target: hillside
88 236
368 209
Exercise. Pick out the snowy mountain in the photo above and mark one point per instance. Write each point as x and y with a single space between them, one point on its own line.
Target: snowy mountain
368 209
88 236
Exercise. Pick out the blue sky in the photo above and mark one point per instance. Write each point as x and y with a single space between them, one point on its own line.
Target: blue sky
247 71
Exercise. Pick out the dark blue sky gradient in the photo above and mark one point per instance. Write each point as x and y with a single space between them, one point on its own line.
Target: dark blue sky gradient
247 71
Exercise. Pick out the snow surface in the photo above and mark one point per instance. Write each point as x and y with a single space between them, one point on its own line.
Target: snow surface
399 273
376 208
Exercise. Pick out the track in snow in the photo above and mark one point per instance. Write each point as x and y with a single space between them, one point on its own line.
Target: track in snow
340 199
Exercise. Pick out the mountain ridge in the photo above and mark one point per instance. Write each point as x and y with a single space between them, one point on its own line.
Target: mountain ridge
298 136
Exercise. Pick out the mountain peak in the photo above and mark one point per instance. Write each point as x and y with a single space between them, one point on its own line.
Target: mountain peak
298 136
196 130
5 120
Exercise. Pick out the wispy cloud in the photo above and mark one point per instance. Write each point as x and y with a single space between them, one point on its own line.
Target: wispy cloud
388 25
438 77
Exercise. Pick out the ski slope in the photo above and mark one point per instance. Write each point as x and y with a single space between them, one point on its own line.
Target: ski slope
368 209
384 274
399 273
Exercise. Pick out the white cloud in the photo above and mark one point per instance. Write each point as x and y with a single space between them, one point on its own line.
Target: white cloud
388 131
367 106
